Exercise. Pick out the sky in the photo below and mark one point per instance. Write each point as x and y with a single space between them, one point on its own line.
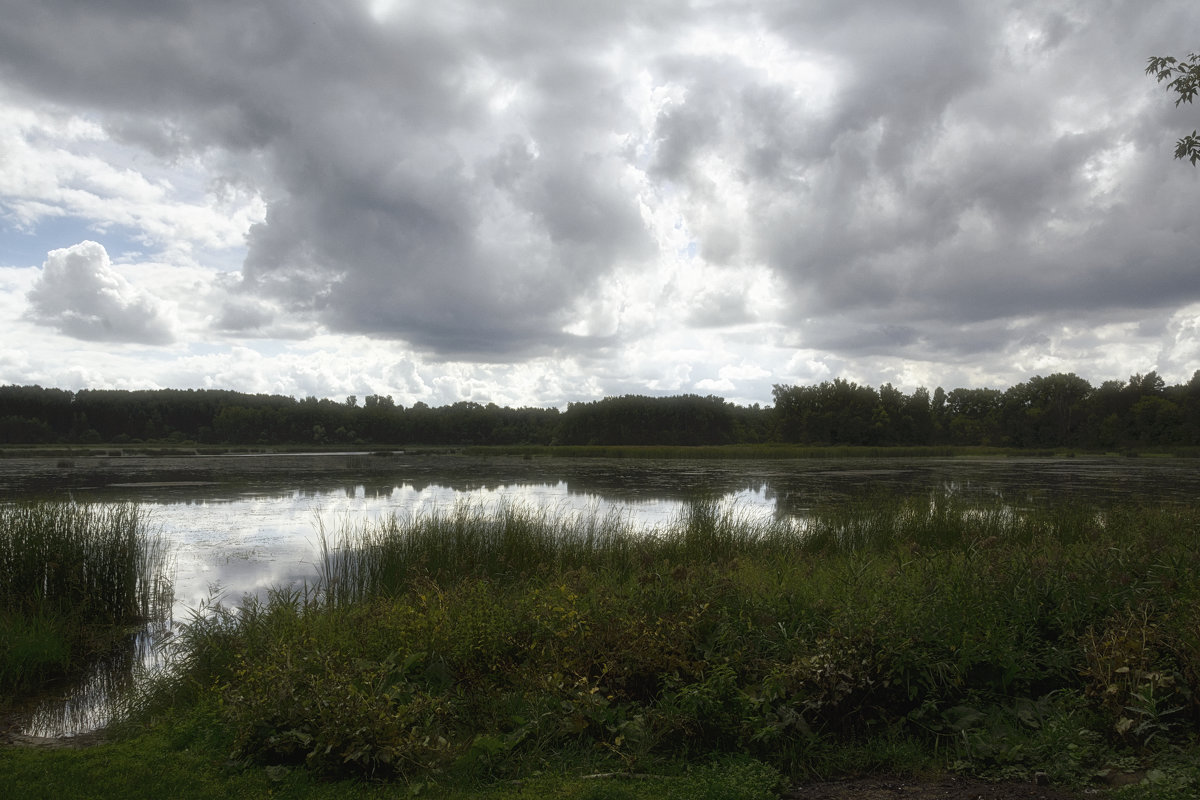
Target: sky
537 202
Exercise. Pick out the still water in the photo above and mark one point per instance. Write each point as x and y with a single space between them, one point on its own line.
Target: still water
238 526
245 545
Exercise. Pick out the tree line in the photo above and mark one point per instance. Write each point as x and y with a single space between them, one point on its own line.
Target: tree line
1059 410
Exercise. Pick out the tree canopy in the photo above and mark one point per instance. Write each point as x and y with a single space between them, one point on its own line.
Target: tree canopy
1060 410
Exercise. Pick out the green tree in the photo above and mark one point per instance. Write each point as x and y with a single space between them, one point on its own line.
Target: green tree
1046 412
974 416
1183 78
1156 420
918 408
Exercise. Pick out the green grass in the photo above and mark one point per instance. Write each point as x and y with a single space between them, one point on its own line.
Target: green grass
34 647
182 760
99 562
486 643
509 652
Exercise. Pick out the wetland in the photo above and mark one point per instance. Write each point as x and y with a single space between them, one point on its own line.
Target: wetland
965 603
241 524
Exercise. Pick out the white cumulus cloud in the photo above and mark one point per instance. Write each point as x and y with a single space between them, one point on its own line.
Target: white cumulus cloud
81 295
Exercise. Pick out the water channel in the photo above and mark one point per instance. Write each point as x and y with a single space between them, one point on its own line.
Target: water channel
239 525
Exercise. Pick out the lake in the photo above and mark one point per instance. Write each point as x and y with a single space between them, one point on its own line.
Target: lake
240 524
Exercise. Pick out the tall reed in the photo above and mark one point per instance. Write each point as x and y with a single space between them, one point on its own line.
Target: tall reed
100 564
511 541
944 521
504 541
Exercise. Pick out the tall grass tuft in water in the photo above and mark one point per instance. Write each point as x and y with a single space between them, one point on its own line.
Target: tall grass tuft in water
100 563
941 521
511 542
504 543
70 572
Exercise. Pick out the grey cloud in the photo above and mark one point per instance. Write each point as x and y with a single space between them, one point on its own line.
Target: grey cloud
243 315
965 342
81 295
894 339
381 219
459 176
718 308
1014 221
248 316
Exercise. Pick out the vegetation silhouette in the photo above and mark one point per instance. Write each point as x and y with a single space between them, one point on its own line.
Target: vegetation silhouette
1055 411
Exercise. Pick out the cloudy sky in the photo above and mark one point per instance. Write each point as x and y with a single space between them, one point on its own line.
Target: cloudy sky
532 202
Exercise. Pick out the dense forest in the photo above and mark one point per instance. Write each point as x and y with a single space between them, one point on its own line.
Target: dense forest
1060 410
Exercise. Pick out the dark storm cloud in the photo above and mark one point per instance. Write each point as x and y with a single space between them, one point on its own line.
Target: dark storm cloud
463 176
955 176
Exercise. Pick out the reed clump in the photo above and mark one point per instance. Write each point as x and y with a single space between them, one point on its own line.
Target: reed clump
490 641
70 573
509 542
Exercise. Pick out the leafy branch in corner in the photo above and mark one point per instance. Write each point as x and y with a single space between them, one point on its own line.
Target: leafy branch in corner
1183 78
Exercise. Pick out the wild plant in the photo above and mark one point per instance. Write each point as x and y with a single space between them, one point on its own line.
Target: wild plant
101 564
72 576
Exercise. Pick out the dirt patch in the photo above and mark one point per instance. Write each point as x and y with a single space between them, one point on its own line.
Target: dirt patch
949 787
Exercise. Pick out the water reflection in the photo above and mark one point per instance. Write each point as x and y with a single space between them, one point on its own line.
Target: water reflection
89 704
290 522
247 531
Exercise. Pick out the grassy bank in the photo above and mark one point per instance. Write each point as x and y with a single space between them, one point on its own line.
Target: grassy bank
497 651
479 644
72 576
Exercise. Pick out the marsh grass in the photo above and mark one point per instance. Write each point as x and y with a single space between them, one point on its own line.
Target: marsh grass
101 563
71 577
945 522
507 542
492 641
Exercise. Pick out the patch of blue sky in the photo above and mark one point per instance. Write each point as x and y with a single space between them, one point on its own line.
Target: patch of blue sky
27 246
